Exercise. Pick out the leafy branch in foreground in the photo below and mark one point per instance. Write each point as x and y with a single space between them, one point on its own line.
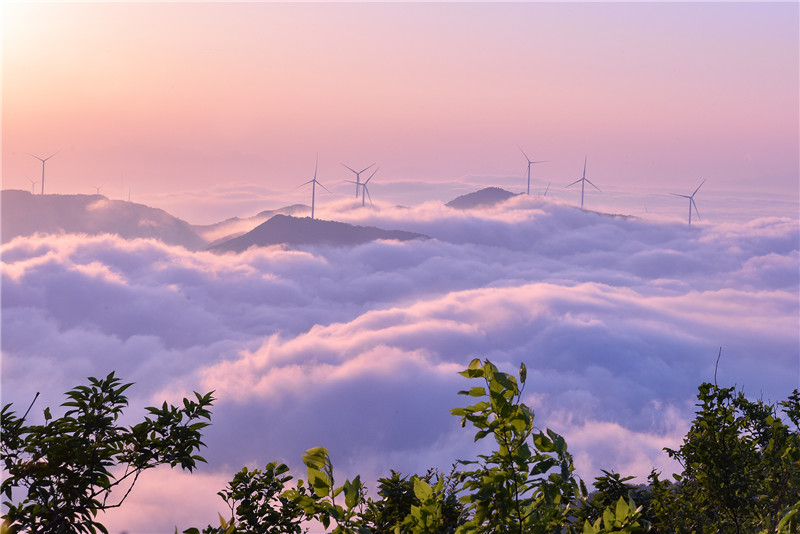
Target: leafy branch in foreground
527 483
69 466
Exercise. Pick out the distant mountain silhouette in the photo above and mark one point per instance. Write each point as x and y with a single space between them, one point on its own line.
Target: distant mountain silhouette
25 214
306 231
226 230
481 199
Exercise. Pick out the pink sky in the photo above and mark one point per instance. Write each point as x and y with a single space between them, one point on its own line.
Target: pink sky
173 98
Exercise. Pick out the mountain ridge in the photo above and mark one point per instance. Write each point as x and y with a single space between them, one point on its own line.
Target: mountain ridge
27 214
482 198
290 230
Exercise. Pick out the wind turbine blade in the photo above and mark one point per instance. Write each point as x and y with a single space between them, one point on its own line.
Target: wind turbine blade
575 182
682 196
698 189
365 168
348 168
301 185
370 176
325 188
590 183
584 166
524 154
548 189
43 159
316 164
543 161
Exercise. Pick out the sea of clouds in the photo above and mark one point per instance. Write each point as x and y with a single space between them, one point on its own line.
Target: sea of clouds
618 320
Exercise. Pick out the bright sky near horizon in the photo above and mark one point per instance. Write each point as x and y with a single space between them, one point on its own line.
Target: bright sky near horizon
180 100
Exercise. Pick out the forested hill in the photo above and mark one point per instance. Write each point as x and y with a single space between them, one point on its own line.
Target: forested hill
306 231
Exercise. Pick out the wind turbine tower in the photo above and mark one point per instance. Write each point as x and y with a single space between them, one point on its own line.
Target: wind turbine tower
529 166
314 182
43 162
358 176
691 201
365 189
583 180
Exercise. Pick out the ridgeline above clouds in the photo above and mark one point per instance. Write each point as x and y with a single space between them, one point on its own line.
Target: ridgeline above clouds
293 231
222 231
486 197
356 348
26 214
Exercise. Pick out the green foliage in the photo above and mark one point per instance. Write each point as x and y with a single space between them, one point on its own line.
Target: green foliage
790 522
321 505
258 505
741 467
396 499
526 485
430 513
65 465
406 505
609 489
622 517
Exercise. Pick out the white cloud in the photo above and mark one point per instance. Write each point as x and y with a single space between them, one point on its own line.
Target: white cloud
618 320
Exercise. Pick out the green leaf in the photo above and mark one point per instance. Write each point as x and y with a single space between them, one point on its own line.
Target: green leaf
474 392
422 490
621 511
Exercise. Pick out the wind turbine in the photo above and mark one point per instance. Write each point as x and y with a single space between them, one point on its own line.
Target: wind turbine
548 189
43 162
583 182
98 188
314 182
358 176
529 166
33 185
691 201
364 188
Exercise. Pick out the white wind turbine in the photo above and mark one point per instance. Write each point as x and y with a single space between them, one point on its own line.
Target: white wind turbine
583 180
365 189
314 182
691 201
358 176
43 162
529 166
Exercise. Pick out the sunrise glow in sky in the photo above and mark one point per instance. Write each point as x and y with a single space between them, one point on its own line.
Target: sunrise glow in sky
212 110
215 110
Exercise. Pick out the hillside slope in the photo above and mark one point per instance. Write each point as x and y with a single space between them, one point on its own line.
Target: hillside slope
285 229
26 214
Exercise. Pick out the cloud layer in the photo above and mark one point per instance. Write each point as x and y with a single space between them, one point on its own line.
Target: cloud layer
618 320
